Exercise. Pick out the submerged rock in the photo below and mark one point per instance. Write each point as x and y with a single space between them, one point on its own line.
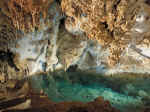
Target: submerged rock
39 102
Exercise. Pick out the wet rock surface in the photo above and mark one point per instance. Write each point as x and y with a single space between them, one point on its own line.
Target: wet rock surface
40 103
126 92
19 96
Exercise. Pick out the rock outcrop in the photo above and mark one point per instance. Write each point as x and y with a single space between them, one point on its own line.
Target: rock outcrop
38 44
120 26
106 21
25 35
118 29
33 37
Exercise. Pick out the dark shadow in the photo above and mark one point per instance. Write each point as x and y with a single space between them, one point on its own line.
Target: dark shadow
8 57
11 103
72 68
77 109
147 2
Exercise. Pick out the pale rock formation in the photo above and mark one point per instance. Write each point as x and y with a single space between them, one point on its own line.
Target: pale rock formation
119 33
46 49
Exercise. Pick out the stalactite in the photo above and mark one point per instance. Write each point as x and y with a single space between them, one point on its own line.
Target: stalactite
25 14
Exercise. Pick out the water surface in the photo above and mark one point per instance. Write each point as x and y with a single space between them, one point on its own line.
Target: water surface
125 93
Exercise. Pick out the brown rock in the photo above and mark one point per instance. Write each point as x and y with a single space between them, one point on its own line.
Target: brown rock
98 105
103 20
25 15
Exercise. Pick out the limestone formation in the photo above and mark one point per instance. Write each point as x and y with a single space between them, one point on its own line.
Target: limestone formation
109 22
25 14
121 28
27 53
44 36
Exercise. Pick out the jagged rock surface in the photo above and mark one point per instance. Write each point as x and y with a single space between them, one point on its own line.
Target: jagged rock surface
120 26
25 53
25 15
105 21
50 47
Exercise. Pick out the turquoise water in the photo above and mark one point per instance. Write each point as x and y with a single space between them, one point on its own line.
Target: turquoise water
124 94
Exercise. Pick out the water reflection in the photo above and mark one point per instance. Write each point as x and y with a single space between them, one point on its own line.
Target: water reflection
123 91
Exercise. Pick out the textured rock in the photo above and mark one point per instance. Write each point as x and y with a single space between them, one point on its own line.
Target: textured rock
120 26
47 48
105 21
25 15
70 48
25 53
8 33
